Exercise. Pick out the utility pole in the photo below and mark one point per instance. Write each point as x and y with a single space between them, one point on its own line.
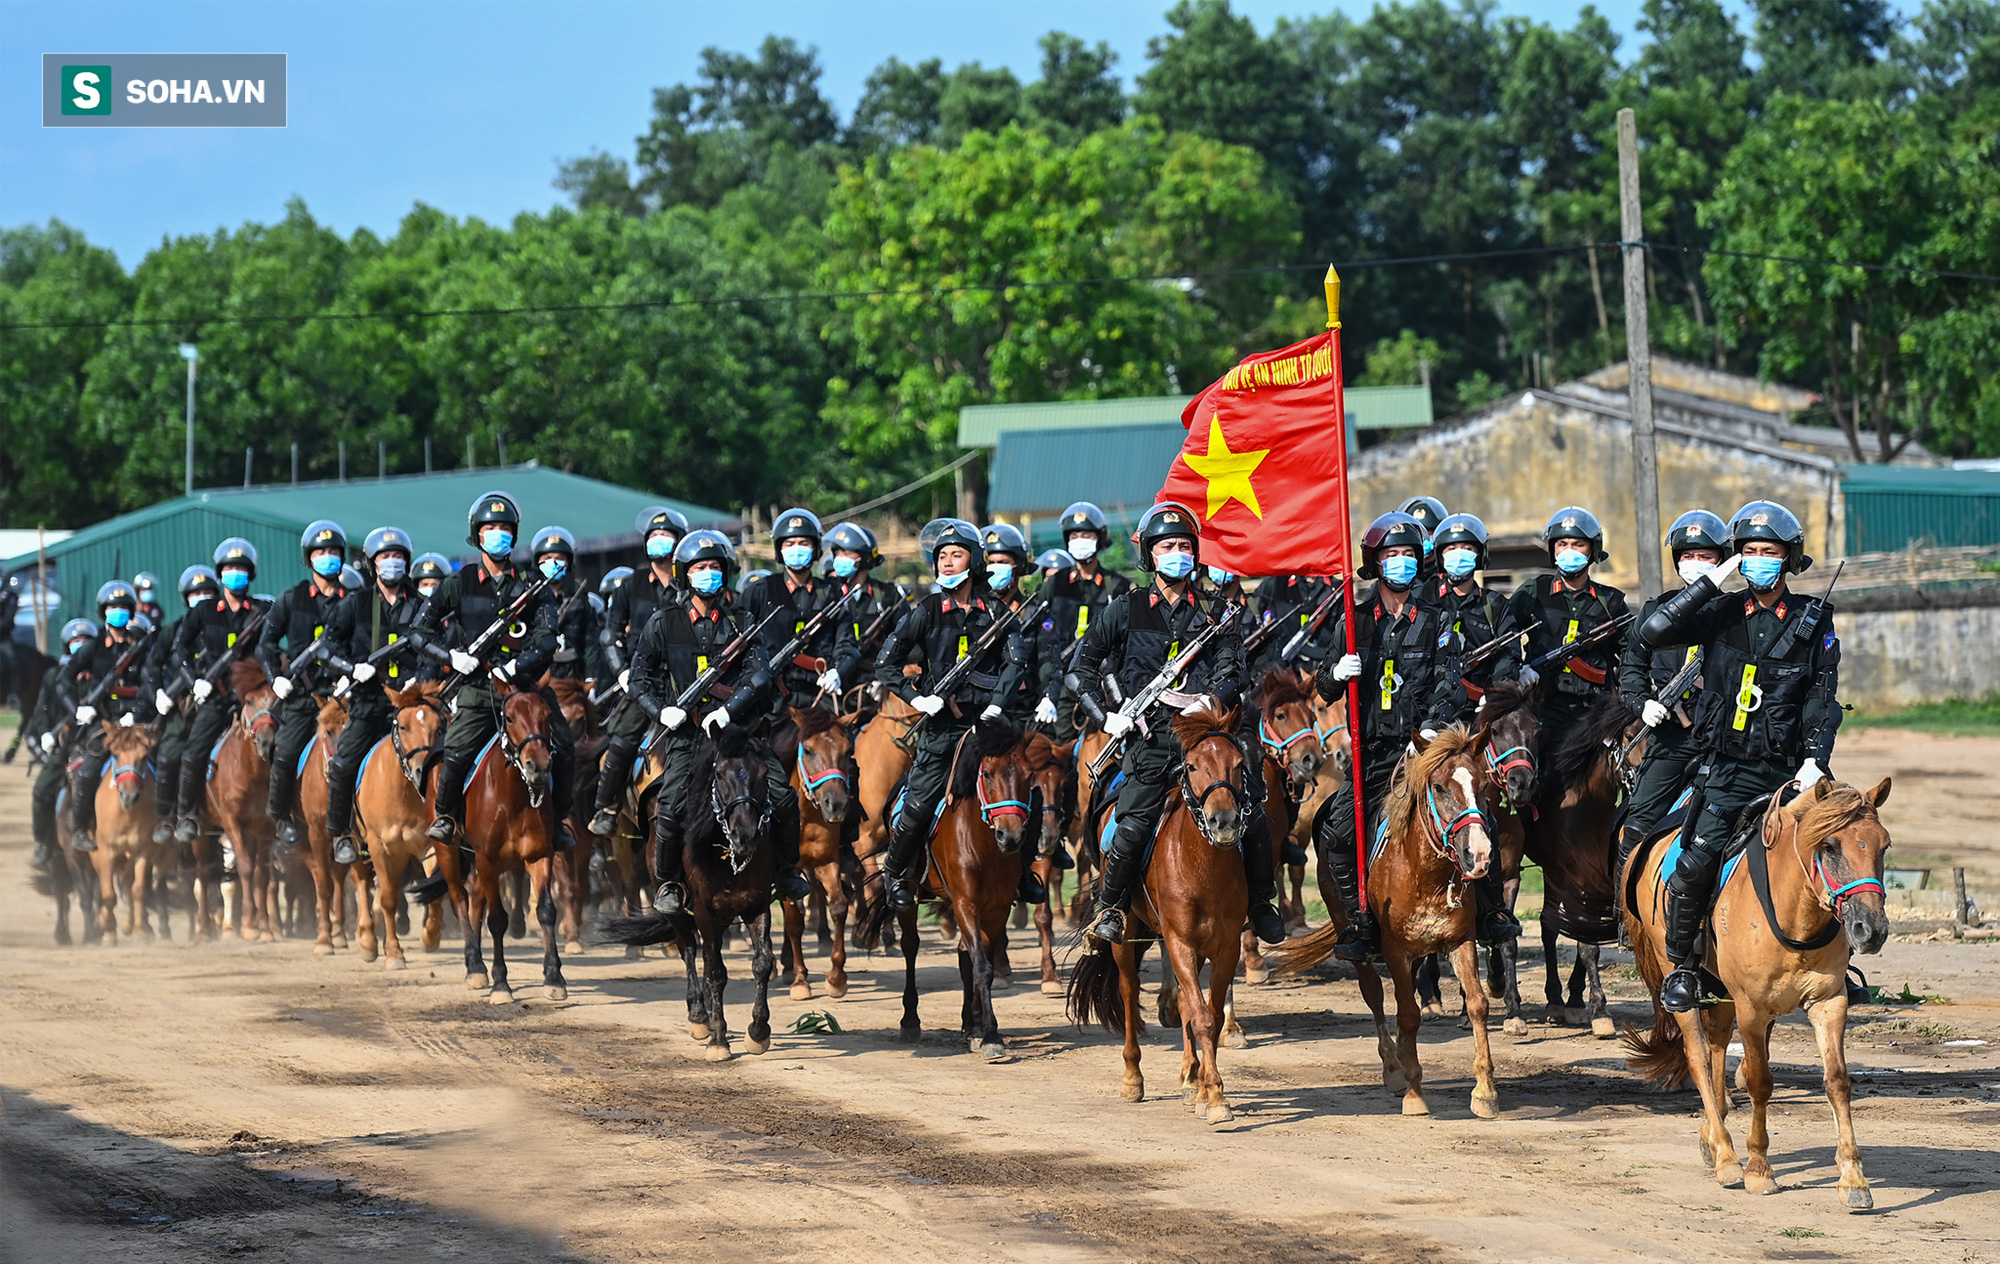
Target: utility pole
1638 358
190 353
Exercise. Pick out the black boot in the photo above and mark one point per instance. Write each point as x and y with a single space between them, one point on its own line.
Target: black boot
340 811
449 805
904 843
563 792
614 771
1032 889
166 783
1260 872
45 851
1114 888
279 805
194 785
1497 924
1333 834
791 882
670 900
1687 904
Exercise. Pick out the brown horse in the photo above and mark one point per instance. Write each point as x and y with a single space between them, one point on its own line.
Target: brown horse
1571 835
1806 896
1513 734
1052 772
1288 732
509 823
125 851
1195 897
822 773
573 868
1330 725
730 865
329 879
1435 843
390 814
238 792
881 758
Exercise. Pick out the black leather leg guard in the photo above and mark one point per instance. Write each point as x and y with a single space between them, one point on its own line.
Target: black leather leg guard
670 898
1333 834
1121 868
1496 923
166 789
340 811
284 776
904 843
562 796
612 777
450 804
1687 904
1260 870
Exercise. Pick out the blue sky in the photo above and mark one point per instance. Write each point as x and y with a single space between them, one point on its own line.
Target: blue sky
468 106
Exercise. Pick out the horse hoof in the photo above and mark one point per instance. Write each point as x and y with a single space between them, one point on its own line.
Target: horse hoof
1494 992
910 1035
1191 1094
836 990
1515 1026
698 1031
633 952
1730 1177
1862 1199
1603 1028
556 992
1707 1152
1486 1107
1132 1092
322 950
996 1051
1415 1106
1556 1016
1233 1038
1433 1013
500 996
1220 1114
396 963
1050 988
1254 975
755 1047
478 982
572 947
802 991
1765 1185
719 1053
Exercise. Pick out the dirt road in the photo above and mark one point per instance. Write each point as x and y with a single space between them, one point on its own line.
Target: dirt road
171 1102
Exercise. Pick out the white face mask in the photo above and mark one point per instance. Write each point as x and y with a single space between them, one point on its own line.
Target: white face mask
1691 570
1083 547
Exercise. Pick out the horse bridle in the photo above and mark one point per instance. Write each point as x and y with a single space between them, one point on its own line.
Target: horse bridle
1197 804
1498 766
813 783
404 755
1279 746
722 808
512 751
1443 834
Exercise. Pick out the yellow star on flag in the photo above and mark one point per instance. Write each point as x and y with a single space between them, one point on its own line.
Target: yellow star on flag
1228 473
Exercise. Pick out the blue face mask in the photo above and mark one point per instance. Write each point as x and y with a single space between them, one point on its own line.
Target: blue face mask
1176 565
1571 561
844 566
554 567
236 581
1763 572
999 575
707 583
118 616
659 546
1459 563
1399 572
949 582
1219 576
74 646
392 569
496 543
326 564
797 556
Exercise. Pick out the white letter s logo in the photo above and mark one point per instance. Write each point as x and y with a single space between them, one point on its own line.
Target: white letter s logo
85 85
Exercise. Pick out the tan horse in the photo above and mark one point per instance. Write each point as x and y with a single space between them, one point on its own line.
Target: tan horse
1195 897
572 868
820 779
1336 770
390 815
1051 769
1818 861
880 760
125 850
237 797
1436 844
329 879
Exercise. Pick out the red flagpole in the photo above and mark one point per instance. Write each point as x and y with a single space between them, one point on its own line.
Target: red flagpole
1347 586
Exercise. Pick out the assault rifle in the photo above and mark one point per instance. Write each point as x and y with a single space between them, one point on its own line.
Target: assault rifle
810 629
213 675
725 660
1003 623
479 644
1137 705
1303 637
104 686
1562 654
1483 654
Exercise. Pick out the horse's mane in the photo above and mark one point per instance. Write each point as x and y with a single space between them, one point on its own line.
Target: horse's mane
1503 698
1042 751
1838 808
247 676
136 740
568 690
331 710
988 739
732 742
1454 740
1190 729
1280 687
813 721
421 692
1583 746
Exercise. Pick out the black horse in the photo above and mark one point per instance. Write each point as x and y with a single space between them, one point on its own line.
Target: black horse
21 670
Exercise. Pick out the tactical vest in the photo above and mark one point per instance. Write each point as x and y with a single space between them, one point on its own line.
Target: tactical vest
381 624
1663 665
573 630
953 634
643 595
1150 641
219 629
480 603
1075 603
693 643
306 619
1398 666
1589 671
1752 706
804 603
99 658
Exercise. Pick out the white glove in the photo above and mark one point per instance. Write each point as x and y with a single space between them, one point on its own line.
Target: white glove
1653 713
509 669
625 680
1724 569
84 715
346 683
363 673
829 680
929 704
990 713
716 720
1429 735
1528 676
463 663
1809 774
1117 724
672 716
1348 668
127 720
282 686
201 690
161 702
1045 712
48 742
1197 706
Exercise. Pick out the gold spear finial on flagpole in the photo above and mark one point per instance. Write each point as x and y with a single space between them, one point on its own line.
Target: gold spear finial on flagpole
1332 298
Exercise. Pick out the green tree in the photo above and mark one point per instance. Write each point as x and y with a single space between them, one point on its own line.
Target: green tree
1822 48
1077 94
720 133
976 99
899 106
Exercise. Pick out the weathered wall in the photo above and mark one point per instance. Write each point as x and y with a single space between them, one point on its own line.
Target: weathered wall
1517 462
1897 658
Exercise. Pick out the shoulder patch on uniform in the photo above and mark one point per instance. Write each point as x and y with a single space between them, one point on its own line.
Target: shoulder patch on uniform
1827 643
1048 625
1444 638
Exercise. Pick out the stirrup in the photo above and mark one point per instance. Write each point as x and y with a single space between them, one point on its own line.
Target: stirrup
1680 991
1264 920
1356 945
1500 927
562 840
1108 927
669 901
441 829
1032 889
605 822
792 884
343 851
896 890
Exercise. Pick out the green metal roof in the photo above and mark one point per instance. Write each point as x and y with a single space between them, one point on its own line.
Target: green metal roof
981 425
1889 507
168 537
1110 466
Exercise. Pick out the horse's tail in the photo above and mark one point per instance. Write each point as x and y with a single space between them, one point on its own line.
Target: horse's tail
1296 956
1658 1056
647 928
872 921
1094 995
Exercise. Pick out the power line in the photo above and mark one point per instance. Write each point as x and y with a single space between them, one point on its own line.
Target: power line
1821 263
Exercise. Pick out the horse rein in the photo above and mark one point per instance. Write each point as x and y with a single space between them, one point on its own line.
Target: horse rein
1197 804
813 783
1443 834
404 755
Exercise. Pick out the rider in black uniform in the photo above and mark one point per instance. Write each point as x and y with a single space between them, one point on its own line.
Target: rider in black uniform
631 606
165 682
296 623
213 633
1078 595
1570 605
359 640
52 711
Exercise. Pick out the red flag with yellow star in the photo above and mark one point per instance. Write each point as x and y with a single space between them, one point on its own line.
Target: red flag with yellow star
1265 463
